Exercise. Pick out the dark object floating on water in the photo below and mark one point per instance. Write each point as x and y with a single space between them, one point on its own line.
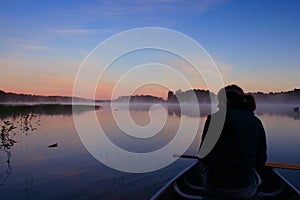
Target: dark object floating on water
188 185
296 109
53 145
98 107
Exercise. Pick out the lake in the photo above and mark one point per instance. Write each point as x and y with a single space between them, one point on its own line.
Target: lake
29 169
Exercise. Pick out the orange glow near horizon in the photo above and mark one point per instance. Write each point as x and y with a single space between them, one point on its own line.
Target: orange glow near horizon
40 84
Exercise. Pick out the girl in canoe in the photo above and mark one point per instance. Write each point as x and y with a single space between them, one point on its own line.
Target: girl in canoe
232 165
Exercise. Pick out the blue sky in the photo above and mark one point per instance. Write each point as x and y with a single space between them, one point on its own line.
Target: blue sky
255 43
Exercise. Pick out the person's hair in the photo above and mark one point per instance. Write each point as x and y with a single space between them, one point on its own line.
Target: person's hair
249 102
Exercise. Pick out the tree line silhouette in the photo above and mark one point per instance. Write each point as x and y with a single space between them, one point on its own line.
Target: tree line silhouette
203 96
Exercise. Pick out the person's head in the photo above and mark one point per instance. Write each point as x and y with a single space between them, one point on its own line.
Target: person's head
234 97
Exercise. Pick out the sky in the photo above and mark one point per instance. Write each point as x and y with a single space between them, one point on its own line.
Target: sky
255 43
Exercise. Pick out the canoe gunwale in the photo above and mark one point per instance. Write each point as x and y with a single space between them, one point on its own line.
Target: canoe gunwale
287 182
283 187
191 185
170 182
182 194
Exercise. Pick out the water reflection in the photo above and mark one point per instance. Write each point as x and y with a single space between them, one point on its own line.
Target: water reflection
139 115
296 115
277 110
7 141
9 129
191 110
188 110
203 110
43 109
29 182
25 119
284 110
29 122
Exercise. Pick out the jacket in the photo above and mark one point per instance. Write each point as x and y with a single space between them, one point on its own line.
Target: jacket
239 151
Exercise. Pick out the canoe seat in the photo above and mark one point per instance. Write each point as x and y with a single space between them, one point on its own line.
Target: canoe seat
273 193
184 195
189 184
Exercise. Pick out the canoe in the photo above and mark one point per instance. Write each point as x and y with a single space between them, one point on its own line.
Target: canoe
188 185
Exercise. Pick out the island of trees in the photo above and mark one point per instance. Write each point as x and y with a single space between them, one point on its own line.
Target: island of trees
140 99
202 96
292 96
190 96
9 97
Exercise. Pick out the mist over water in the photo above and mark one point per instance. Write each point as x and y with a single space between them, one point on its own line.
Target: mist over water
36 171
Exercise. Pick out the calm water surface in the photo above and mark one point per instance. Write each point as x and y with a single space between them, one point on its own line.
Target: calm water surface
31 170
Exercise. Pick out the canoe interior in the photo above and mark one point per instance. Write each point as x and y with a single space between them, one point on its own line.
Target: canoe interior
189 185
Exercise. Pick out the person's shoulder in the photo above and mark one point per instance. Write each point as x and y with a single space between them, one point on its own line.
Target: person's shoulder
257 120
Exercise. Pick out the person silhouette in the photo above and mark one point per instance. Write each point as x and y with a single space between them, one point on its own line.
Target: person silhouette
232 164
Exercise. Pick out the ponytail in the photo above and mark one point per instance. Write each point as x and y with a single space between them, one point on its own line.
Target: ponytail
249 102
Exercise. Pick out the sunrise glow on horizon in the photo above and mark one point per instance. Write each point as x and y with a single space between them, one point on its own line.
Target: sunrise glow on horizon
254 44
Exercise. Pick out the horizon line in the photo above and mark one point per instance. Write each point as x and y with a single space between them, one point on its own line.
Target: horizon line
271 92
